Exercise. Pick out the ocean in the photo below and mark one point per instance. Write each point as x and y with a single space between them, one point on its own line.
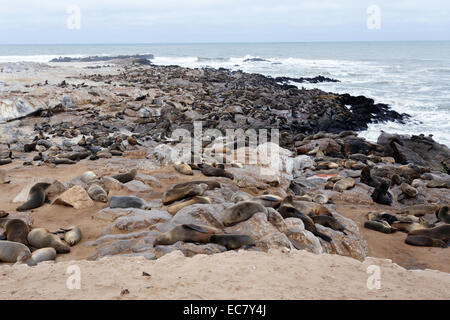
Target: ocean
412 77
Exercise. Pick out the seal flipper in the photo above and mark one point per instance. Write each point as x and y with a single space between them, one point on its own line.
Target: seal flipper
195 228
323 236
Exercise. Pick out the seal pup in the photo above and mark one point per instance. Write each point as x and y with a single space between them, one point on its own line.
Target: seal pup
127 202
16 230
97 193
178 192
380 226
42 238
88 177
185 233
173 209
210 183
184 169
425 241
443 214
126 177
409 191
232 241
36 197
210 171
329 222
321 198
242 211
344 184
41 255
72 235
13 252
420 209
291 212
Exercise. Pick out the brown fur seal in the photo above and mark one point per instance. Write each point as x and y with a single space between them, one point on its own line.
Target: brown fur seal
407 226
41 255
97 193
127 202
321 198
184 169
242 211
210 183
441 232
185 233
408 190
381 194
268 200
329 222
126 177
425 241
13 252
180 192
36 197
215 172
232 241
72 235
420 209
173 209
306 207
16 230
443 214
42 238
380 226
291 212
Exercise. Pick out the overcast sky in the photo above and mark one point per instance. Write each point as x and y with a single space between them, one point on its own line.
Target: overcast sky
155 21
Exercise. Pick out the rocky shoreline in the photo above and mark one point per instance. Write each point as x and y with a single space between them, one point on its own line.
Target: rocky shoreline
119 117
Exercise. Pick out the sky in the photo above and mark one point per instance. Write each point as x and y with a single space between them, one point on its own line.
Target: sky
199 21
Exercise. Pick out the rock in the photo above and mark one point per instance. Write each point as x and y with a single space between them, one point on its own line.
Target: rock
190 249
113 248
302 162
137 186
200 214
55 189
265 235
88 177
353 244
139 219
408 190
24 216
112 184
418 150
147 179
300 238
75 197
344 184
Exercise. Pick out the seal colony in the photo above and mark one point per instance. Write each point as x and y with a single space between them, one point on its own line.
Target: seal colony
124 136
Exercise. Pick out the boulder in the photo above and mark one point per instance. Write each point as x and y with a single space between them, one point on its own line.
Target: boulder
75 197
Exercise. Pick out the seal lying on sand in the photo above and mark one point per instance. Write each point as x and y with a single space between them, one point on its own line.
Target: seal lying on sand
437 236
127 202
306 207
242 211
126 177
185 233
97 193
291 212
36 197
380 226
215 172
13 251
16 230
43 254
232 241
42 238
72 235
407 226
178 192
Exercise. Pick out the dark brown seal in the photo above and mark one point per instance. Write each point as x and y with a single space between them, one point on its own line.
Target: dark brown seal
232 241
36 198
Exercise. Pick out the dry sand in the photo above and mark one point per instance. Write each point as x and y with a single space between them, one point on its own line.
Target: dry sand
230 275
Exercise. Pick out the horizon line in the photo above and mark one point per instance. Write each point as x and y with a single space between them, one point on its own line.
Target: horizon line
227 42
